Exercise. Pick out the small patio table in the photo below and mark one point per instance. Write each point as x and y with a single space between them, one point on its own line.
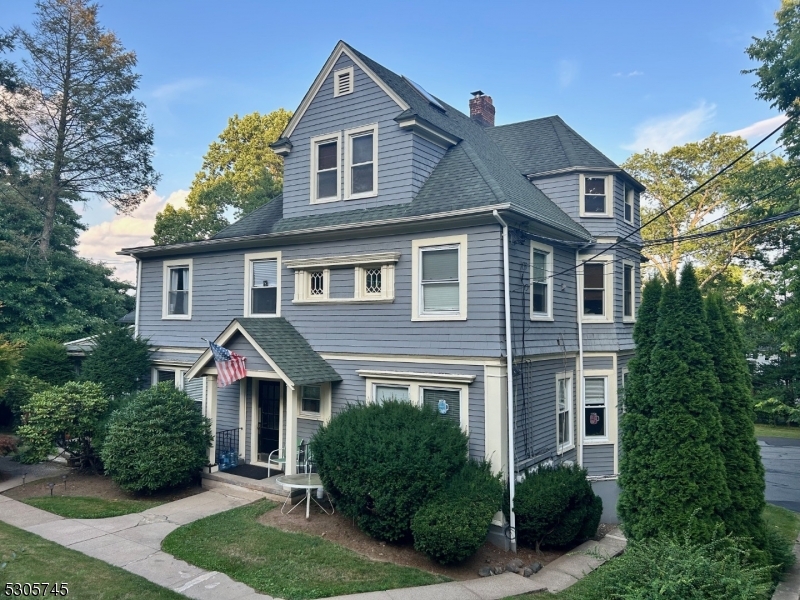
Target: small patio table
303 481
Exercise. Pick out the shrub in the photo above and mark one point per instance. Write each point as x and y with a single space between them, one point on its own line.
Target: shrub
381 463
774 412
119 362
453 524
47 360
18 391
64 416
555 506
671 568
158 439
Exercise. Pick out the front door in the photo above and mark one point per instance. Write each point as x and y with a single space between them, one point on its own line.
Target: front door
269 417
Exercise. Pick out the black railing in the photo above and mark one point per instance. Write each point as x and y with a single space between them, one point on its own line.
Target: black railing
227 449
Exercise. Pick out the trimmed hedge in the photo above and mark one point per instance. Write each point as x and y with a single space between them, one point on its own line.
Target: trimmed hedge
381 463
453 525
555 506
157 440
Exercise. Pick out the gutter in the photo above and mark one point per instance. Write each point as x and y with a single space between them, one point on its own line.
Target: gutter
579 378
509 382
138 297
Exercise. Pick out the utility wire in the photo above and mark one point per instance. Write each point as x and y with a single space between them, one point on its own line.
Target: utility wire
708 234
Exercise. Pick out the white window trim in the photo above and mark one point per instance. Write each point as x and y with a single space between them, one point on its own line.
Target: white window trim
349 134
387 284
336 75
610 376
626 188
186 262
416 277
415 388
179 373
548 316
302 287
324 413
316 141
608 289
632 317
561 448
625 373
609 196
248 281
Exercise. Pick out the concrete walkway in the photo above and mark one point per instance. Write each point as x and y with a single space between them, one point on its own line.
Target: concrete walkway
16 470
133 542
789 588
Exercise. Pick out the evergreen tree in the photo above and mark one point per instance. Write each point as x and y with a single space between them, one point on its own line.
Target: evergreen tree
47 360
743 467
119 362
635 461
684 434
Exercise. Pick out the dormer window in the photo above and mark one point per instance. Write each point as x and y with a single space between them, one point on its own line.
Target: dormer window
361 169
343 82
325 168
597 196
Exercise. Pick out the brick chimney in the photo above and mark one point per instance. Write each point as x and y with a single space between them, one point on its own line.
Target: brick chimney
481 109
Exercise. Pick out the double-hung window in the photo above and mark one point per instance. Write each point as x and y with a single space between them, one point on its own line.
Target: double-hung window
628 292
595 406
597 195
361 174
262 291
398 393
177 281
541 285
628 190
311 399
564 416
438 271
596 280
325 167
446 402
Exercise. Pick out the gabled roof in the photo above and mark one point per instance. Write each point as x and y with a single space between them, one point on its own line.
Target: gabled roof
281 346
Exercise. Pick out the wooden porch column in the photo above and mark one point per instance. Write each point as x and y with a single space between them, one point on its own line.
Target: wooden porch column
291 430
211 413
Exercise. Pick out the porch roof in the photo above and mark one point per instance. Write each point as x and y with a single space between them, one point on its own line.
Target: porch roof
281 345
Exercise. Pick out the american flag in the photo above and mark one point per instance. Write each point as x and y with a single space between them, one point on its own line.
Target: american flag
230 366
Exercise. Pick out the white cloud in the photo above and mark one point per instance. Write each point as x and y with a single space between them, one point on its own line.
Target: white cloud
567 72
759 129
101 242
170 91
662 133
631 74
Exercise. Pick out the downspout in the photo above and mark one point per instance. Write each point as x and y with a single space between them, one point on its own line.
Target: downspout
579 378
509 383
138 297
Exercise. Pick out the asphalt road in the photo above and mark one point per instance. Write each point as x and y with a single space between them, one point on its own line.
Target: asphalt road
781 458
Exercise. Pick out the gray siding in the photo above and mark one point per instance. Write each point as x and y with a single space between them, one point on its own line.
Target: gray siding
228 407
254 361
306 428
598 363
599 460
385 328
183 359
352 390
404 159
342 283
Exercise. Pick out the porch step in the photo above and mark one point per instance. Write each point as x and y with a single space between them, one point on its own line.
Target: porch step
266 488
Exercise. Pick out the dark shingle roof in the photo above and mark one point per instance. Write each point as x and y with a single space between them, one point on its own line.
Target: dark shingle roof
472 174
548 144
290 350
129 319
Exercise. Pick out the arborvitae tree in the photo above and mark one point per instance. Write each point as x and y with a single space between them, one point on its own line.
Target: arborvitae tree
743 467
636 467
119 362
688 478
47 360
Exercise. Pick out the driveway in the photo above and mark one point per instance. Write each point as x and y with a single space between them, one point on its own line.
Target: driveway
781 458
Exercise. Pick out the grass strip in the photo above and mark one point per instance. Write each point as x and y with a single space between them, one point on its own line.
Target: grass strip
81 507
28 558
785 522
777 431
293 566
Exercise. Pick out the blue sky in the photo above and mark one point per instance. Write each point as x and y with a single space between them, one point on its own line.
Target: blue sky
625 75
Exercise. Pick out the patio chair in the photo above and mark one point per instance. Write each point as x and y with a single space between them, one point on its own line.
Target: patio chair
280 459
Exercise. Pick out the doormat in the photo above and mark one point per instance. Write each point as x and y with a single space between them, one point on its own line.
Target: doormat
253 472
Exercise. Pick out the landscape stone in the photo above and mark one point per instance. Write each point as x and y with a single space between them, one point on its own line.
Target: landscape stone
485 572
535 567
527 572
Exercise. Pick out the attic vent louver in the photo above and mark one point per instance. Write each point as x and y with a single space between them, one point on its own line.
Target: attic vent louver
343 82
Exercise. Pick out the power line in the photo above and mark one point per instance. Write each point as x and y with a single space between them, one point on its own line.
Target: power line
708 234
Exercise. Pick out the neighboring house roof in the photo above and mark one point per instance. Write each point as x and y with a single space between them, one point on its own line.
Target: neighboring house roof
129 319
281 345
81 347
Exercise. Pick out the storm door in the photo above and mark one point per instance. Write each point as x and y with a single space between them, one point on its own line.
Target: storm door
269 417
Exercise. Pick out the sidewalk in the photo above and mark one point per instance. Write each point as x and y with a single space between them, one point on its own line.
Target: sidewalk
133 542
789 588
32 472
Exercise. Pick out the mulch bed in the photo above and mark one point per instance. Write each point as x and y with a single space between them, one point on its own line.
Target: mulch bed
341 530
94 486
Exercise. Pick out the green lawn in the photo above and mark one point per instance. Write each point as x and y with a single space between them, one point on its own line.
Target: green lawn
777 431
293 566
27 558
79 507
786 522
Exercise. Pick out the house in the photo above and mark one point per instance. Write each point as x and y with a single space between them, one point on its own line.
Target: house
409 239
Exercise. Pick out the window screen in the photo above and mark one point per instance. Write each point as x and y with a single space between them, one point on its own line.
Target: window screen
264 291
539 283
445 402
440 291
391 392
179 291
595 406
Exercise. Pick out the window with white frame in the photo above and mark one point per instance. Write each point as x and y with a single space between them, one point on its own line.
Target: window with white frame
541 287
311 399
595 406
374 282
597 195
628 292
564 415
629 191
316 286
177 282
361 169
596 282
165 376
262 285
381 393
445 401
325 167
439 275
